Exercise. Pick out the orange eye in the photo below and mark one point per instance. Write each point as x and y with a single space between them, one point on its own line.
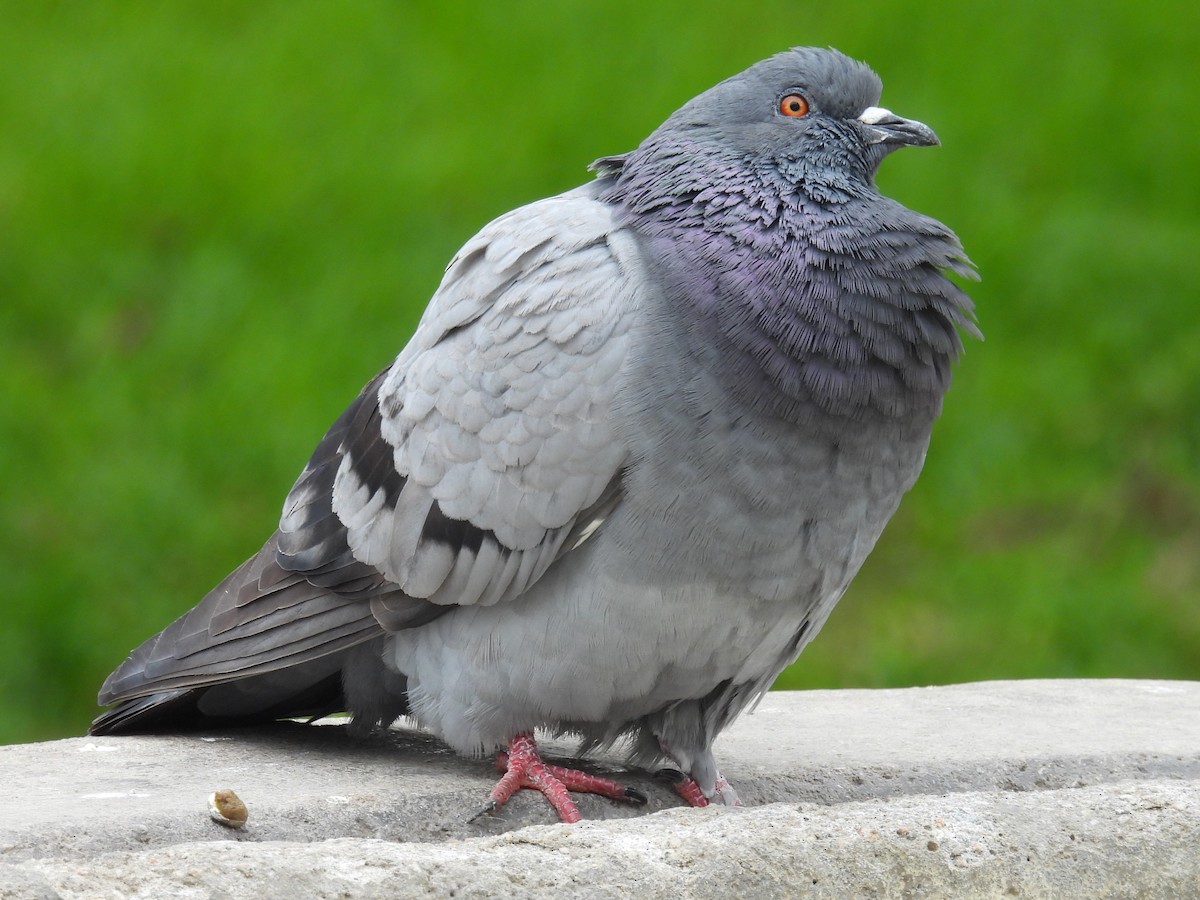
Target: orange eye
793 105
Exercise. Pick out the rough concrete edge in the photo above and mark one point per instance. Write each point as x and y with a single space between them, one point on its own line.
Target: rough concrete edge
1133 839
442 815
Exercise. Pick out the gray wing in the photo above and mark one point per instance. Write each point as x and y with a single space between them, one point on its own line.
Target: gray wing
458 476
492 448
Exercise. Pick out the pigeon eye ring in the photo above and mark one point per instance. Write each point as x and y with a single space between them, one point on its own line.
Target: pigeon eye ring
793 105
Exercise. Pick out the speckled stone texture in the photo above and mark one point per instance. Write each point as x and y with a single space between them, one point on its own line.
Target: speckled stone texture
1040 788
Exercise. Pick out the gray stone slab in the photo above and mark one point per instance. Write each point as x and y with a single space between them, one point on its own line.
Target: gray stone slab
1131 840
845 791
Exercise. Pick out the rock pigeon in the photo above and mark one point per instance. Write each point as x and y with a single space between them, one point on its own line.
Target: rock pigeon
645 434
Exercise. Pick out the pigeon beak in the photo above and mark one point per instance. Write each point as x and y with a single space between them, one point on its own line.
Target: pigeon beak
882 126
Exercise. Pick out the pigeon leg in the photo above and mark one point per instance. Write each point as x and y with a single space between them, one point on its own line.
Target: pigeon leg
523 768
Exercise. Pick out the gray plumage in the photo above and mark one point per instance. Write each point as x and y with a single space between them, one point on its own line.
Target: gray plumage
642 439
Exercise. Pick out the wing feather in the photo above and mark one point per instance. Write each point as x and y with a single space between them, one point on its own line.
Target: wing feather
258 619
495 422
458 476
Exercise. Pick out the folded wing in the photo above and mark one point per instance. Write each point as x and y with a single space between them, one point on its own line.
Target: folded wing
458 476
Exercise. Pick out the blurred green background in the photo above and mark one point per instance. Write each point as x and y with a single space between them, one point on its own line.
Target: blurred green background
218 220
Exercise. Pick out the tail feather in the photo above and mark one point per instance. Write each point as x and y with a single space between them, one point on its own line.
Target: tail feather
263 644
246 701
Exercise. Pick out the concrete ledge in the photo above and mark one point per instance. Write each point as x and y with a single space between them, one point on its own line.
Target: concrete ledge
1046 788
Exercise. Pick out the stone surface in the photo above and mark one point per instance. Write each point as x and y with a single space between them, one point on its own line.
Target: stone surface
1040 788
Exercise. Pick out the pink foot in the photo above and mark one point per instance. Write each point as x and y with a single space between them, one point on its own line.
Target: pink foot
523 768
690 791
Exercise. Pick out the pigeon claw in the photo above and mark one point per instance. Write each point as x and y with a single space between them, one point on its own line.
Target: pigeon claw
689 789
523 767
636 797
486 810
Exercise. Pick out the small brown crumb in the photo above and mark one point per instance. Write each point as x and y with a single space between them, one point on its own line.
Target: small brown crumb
227 808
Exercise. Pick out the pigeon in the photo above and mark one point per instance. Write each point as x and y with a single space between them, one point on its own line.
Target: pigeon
643 437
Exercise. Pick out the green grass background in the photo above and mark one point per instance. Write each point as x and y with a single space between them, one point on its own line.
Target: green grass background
219 219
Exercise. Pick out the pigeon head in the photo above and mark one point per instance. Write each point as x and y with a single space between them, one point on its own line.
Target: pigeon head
814 106
758 205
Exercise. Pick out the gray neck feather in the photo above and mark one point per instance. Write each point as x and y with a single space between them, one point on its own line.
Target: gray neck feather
823 297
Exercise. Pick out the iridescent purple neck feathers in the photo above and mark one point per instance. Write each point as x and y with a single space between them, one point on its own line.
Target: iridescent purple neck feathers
820 290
